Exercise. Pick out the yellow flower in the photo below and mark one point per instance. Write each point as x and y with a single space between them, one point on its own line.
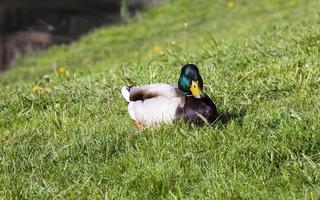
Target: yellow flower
156 48
61 69
36 89
231 4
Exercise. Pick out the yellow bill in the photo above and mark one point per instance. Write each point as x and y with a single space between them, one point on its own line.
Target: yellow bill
196 90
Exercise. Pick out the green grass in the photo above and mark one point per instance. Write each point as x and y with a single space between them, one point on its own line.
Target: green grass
260 64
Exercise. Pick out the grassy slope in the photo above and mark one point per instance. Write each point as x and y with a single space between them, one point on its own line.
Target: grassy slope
260 63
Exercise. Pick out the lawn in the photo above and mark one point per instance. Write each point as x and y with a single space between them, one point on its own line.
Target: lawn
65 132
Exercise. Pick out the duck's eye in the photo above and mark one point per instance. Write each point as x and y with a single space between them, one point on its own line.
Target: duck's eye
194 86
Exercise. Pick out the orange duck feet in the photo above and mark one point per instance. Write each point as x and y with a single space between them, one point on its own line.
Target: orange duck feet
138 124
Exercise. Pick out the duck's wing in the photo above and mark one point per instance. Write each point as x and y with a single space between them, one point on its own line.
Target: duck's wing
136 93
198 111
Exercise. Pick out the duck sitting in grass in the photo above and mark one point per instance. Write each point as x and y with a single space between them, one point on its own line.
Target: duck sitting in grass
164 103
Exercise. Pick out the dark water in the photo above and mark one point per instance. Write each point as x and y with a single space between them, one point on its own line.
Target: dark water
28 26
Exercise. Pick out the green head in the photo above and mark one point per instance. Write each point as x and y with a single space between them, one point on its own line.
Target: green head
190 81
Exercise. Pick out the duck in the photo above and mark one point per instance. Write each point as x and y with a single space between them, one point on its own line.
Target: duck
158 103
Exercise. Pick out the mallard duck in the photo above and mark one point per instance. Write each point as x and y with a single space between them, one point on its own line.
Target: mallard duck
164 103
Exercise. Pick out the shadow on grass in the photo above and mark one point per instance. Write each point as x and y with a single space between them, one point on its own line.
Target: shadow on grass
228 116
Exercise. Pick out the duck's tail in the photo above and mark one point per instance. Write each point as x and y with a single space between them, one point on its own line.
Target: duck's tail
125 91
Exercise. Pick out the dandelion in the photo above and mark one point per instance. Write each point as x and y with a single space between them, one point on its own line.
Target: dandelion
157 48
230 4
61 69
36 89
